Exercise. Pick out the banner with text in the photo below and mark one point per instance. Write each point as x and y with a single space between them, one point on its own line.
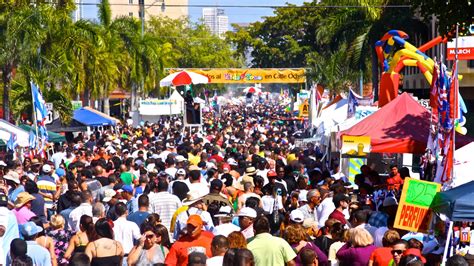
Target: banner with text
160 107
465 48
414 213
355 146
250 75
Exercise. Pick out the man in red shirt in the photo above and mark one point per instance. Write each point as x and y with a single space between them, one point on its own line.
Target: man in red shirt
195 240
394 181
341 201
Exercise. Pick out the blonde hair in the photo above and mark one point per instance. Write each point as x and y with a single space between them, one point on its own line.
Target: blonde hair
294 233
360 237
57 221
390 238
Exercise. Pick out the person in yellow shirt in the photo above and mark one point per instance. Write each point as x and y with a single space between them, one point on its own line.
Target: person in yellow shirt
194 157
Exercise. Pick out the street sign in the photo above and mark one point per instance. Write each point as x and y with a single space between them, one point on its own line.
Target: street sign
50 116
465 48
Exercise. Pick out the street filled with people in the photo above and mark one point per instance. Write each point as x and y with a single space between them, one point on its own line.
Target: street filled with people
235 191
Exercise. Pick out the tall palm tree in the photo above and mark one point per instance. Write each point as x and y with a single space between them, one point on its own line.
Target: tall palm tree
22 33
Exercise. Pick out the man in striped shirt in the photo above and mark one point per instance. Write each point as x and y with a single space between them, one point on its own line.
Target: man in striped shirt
47 187
162 202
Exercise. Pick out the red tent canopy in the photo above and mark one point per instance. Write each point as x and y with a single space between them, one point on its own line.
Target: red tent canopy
401 126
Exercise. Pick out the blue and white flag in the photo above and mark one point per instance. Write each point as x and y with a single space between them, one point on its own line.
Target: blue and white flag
12 142
355 100
39 104
40 110
32 140
352 102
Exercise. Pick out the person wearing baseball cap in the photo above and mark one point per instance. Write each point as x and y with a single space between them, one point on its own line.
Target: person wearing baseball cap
47 186
127 194
215 194
341 202
247 216
195 239
225 226
37 253
296 217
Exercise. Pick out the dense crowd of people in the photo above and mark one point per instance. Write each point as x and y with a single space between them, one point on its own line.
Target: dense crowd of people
235 192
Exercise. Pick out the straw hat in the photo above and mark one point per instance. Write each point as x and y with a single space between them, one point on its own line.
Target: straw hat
22 199
191 198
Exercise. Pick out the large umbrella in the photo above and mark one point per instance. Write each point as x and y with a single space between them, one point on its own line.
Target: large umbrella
183 78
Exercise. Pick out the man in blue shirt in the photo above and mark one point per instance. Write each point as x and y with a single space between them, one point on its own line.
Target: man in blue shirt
37 253
127 194
140 216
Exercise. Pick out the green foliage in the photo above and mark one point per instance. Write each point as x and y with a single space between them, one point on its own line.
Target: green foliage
449 13
84 59
337 40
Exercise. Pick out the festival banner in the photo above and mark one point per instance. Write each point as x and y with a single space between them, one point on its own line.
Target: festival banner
160 107
250 75
414 213
355 146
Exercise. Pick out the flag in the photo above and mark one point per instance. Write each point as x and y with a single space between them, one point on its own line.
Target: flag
12 142
453 95
41 112
434 89
315 98
32 139
352 102
39 104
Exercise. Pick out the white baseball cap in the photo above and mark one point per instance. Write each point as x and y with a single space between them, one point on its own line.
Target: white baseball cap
109 194
180 158
297 216
232 161
302 196
247 212
224 211
47 168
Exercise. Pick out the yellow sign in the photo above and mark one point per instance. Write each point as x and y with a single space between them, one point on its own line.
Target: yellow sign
304 109
355 146
250 75
414 213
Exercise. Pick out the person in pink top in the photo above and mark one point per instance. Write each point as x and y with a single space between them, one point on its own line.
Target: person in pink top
357 251
22 208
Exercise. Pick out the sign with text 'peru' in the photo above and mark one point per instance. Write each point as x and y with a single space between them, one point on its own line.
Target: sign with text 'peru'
414 213
250 75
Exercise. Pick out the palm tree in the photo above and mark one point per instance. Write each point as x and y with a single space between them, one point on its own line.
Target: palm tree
360 28
22 33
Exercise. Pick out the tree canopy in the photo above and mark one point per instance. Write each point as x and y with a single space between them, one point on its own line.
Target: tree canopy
89 59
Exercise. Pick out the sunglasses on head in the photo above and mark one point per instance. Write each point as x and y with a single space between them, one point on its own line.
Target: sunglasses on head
397 251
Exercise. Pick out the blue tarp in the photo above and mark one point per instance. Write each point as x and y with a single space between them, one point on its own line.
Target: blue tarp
457 203
92 118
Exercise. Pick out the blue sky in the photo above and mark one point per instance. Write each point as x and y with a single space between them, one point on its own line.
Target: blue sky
236 15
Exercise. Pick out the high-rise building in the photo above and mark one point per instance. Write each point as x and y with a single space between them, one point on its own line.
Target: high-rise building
216 20
169 8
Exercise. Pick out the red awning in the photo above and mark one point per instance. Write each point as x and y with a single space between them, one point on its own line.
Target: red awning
401 126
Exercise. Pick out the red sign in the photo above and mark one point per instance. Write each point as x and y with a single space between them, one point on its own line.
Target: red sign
465 48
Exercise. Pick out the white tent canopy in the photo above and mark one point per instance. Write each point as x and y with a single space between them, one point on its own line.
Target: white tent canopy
331 116
6 129
463 165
